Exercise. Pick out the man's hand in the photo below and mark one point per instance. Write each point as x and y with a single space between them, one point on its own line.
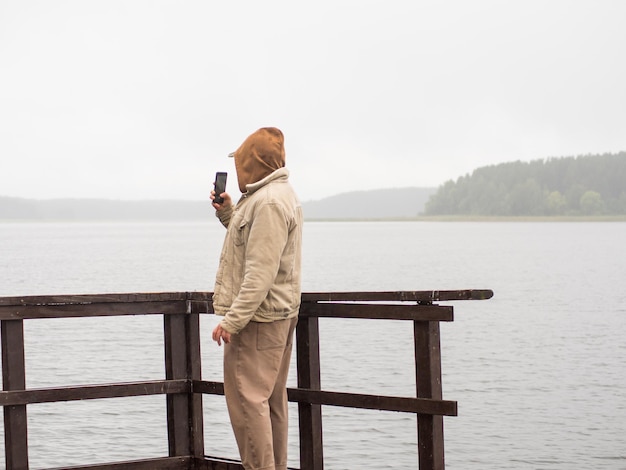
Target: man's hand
220 334
227 201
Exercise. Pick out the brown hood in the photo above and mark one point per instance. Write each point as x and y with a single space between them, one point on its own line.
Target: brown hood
262 153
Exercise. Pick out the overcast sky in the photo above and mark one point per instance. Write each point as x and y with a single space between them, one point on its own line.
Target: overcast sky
143 99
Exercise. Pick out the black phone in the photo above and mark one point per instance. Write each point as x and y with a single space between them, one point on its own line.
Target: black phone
220 186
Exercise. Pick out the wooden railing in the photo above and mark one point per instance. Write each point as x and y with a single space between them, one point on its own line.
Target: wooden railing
184 387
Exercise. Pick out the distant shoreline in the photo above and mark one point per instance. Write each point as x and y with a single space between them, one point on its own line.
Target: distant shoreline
405 205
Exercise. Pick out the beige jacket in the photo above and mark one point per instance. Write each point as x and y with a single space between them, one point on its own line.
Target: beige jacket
259 275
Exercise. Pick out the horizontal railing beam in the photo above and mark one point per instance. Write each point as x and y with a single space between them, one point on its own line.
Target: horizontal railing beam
87 305
374 402
426 296
92 310
92 392
100 298
378 311
351 400
207 387
164 463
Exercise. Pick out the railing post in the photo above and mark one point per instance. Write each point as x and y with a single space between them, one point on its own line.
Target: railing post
182 361
428 381
14 378
310 415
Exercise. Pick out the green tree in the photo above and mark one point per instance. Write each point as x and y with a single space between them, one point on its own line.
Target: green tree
555 203
591 203
526 198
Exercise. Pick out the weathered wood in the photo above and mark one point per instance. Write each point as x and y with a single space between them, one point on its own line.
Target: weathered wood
176 367
428 382
182 361
212 463
86 299
400 296
194 373
14 378
164 463
374 402
377 311
309 377
91 392
427 296
184 386
207 387
201 306
92 309
351 400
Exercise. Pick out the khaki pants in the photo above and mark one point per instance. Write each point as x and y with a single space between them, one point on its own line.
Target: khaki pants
256 365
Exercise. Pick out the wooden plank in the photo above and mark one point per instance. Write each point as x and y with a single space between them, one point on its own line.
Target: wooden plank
164 463
207 387
398 296
377 311
12 312
427 296
96 298
86 299
201 306
428 382
200 296
351 400
14 378
309 377
218 463
374 402
176 367
194 373
91 392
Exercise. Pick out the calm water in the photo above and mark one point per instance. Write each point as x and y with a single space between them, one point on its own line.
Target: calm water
538 371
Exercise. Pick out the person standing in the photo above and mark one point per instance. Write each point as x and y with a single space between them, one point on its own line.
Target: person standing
257 291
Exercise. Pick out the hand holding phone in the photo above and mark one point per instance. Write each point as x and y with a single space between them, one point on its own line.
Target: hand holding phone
220 186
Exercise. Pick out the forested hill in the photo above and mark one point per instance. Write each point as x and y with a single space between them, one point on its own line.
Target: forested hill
584 185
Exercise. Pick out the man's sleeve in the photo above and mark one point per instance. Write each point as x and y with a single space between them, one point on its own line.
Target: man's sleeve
225 215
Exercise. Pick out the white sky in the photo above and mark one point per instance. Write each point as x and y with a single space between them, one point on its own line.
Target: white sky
143 99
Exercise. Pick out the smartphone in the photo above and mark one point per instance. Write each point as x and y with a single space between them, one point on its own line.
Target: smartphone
220 186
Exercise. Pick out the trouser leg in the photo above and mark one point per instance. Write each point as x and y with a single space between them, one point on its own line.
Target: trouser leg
254 375
279 405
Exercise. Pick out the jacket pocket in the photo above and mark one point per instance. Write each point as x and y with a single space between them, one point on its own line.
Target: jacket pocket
239 236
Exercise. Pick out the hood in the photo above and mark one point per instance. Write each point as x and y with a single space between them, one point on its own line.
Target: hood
262 153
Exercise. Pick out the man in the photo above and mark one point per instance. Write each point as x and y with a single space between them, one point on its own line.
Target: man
257 290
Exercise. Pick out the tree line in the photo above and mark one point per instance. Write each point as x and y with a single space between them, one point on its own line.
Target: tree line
583 185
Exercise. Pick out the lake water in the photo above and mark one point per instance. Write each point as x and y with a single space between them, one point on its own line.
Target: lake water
539 370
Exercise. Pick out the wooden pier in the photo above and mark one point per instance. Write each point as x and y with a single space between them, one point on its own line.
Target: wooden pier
184 387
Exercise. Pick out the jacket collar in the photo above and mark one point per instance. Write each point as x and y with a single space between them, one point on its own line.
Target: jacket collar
281 173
